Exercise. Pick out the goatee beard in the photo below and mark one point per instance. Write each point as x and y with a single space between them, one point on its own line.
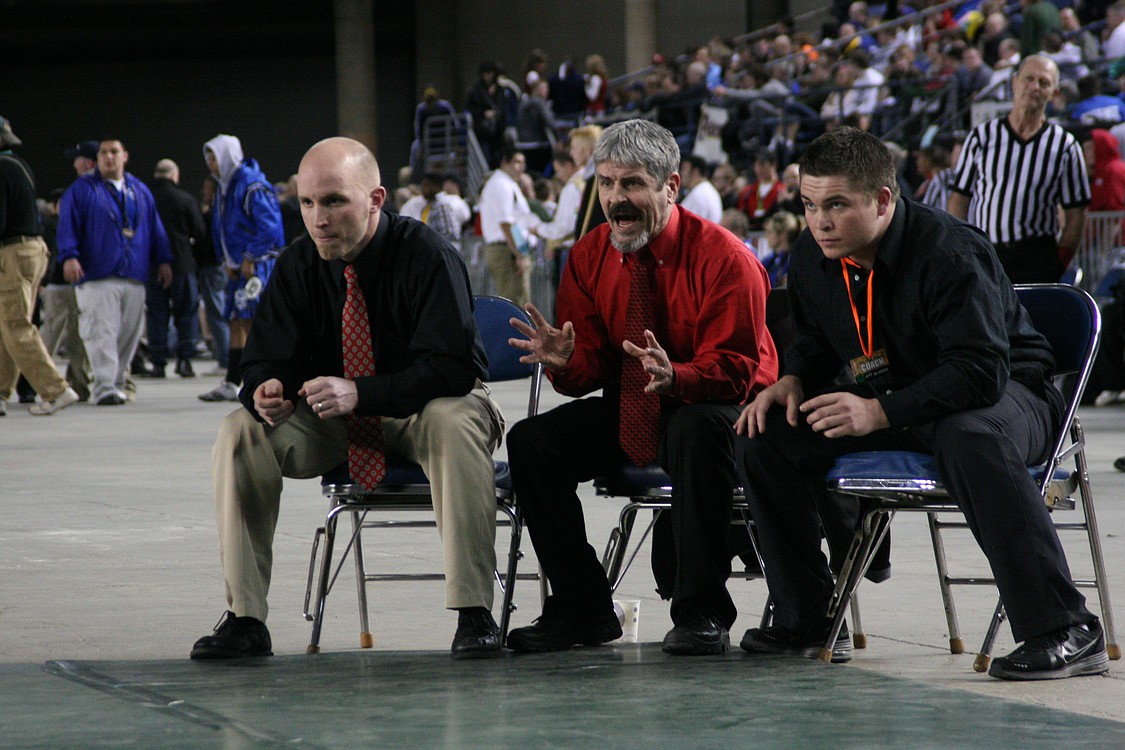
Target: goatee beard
631 246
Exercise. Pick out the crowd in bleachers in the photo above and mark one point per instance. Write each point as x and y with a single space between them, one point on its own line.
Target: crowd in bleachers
911 74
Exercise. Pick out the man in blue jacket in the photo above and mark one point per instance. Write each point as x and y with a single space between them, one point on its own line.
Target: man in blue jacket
110 239
248 235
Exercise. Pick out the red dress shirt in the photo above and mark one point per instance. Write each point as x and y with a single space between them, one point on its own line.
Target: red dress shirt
709 308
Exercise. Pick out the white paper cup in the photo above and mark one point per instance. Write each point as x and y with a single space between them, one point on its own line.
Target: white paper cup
629 612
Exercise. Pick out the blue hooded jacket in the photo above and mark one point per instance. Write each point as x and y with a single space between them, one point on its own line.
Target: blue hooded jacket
91 229
246 216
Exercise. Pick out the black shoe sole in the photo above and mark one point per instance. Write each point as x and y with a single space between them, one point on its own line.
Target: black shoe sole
210 652
597 637
687 646
476 653
1094 664
841 652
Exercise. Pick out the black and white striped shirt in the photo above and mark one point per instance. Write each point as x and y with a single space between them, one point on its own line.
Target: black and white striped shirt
1016 187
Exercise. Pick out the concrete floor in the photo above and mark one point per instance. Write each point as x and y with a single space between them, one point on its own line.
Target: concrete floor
110 566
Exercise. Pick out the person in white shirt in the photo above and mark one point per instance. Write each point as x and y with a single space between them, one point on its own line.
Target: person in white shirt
1114 44
559 231
703 198
505 218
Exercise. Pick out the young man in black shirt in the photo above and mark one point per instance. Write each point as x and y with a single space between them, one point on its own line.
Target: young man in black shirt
917 304
304 397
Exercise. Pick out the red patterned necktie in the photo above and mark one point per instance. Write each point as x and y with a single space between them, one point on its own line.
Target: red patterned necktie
367 463
639 427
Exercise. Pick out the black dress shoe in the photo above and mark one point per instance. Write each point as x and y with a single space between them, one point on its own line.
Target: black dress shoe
477 636
806 644
696 634
234 637
184 369
1067 652
558 630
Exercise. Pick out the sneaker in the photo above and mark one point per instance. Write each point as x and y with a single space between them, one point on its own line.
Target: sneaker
1105 398
184 369
478 635
1067 652
556 631
1119 463
782 640
61 401
234 637
225 391
110 399
696 634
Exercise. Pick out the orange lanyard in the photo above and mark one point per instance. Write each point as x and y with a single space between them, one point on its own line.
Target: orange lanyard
868 348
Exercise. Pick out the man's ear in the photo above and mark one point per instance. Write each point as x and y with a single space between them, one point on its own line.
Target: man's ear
378 198
884 198
674 186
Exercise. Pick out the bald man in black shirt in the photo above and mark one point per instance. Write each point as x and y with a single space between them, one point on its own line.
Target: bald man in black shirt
427 390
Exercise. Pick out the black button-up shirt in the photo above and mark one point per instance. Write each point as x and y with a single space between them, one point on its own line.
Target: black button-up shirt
944 311
420 306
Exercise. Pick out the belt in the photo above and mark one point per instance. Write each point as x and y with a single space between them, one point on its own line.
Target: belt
19 239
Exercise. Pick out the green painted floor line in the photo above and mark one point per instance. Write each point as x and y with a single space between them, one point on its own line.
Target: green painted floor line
625 696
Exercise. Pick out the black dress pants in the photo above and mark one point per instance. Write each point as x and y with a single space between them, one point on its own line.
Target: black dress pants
981 457
550 454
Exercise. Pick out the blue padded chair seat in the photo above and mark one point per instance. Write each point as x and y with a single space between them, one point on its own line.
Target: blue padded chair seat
904 466
401 473
630 479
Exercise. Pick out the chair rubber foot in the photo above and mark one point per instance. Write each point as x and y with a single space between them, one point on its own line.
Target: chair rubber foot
366 640
956 646
312 648
980 664
1113 651
859 640
825 655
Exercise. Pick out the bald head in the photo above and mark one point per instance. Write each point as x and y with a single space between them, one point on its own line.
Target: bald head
168 170
338 187
347 156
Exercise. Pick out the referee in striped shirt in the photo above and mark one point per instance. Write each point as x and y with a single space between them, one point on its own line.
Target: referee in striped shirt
1017 170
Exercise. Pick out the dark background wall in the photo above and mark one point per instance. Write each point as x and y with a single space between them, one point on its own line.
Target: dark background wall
166 75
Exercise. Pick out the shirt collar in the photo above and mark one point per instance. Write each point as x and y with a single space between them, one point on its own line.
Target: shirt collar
666 245
366 257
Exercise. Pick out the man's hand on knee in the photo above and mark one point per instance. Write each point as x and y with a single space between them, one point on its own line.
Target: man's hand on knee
330 396
787 392
841 413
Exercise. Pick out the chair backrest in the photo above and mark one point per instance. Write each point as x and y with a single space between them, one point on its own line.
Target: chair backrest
1072 323
492 315
1069 319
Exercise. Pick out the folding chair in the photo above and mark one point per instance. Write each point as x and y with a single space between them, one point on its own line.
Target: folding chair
406 488
650 488
892 481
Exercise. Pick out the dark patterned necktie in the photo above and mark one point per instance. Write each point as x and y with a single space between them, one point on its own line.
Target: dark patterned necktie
639 430
367 462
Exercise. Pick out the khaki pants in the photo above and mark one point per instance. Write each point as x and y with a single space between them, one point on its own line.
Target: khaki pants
451 438
60 326
505 273
22 265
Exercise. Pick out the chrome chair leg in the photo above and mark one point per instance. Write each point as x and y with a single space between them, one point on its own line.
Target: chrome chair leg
323 584
870 533
366 639
508 585
984 658
956 643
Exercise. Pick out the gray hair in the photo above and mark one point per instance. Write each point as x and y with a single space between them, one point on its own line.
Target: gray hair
640 143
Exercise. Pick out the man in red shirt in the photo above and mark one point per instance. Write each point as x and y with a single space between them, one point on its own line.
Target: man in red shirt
703 349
